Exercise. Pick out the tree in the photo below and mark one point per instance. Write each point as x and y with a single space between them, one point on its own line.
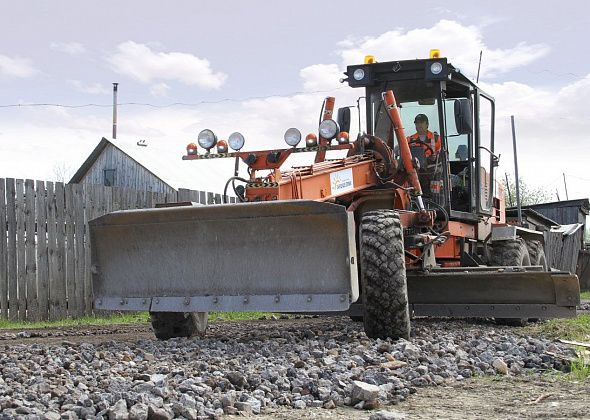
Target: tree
62 172
528 194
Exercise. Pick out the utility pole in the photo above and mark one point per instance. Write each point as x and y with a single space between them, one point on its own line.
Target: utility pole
508 188
115 85
478 67
516 181
565 184
557 194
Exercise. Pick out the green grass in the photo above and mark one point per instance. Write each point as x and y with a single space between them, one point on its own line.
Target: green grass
580 367
124 318
576 329
585 295
119 318
572 329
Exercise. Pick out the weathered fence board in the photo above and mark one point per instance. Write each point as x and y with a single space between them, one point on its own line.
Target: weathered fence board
3 252
61 280
70 251
44 244
31 251
11 229
80 252
21 268
42 252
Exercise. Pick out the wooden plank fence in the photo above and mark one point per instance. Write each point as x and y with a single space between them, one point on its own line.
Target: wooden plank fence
44 244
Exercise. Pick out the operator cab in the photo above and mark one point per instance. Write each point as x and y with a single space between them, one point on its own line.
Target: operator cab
455 154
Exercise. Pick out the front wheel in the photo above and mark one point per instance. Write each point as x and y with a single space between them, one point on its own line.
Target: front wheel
383 275
167 325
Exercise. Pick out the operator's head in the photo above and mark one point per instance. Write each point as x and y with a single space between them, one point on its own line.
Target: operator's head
421 122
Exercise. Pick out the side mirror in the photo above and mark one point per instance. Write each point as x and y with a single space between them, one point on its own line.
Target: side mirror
343 119
463 116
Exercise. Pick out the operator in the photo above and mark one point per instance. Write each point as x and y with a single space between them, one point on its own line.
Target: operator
424 138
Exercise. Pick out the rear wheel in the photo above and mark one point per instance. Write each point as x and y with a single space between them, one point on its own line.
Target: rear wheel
511 253
383 275
168 325
537 254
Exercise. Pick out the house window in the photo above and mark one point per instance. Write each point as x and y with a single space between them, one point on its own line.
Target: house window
109 177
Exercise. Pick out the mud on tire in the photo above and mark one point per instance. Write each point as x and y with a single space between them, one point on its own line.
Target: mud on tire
510 253
168 325
383 275
537 253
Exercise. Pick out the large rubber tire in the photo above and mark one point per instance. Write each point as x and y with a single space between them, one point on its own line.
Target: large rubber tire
383 275
511 253
167 325
537 254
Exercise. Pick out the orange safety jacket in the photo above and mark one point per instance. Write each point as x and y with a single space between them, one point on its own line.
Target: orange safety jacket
431 139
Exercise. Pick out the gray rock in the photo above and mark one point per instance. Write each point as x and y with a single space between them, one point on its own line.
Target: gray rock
51 415
119 411
139 411
362 391
387 415
244 407
155 413
299 404
237 379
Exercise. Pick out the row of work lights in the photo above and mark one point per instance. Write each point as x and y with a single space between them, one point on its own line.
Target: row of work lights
328 130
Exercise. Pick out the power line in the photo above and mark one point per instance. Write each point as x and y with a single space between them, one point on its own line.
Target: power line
188 104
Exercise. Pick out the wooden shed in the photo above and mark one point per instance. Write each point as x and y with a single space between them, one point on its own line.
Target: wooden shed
570 242
152 166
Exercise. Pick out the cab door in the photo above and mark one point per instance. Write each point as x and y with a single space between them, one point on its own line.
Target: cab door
486 161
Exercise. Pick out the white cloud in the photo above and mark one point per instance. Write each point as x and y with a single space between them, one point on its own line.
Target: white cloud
552 123
460 43
140 62
160 90
16 67
72 48
92 88
321 77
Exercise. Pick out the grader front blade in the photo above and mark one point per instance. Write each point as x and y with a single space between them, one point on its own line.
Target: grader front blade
266 256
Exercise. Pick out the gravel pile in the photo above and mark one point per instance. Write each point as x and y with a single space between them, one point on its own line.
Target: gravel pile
250 367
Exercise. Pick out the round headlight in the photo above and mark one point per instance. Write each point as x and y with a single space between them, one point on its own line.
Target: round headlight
436 67
311 140
358 74
207 139
191 149
236 141
292 137
221 146
328 129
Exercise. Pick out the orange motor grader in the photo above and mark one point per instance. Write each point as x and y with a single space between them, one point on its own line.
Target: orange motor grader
395 226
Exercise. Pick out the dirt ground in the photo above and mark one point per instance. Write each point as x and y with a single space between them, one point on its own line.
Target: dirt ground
488 397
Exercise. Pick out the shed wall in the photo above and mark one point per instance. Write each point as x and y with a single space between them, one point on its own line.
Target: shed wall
563 215
128 173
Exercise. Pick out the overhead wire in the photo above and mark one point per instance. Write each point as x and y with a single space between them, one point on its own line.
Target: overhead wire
173 104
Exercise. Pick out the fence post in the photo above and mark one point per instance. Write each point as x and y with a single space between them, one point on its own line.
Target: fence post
3 252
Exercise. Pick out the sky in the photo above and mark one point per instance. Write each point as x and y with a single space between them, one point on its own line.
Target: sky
260 67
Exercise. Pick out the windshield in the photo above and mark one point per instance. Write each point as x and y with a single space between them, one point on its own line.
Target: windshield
413 99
